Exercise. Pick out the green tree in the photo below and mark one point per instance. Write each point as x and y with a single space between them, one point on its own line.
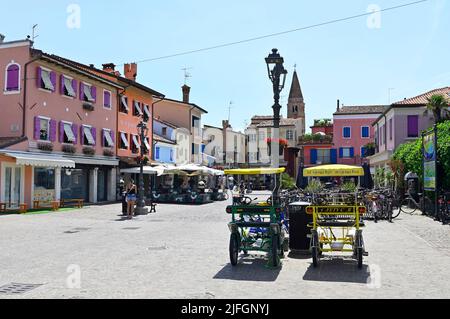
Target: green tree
438 104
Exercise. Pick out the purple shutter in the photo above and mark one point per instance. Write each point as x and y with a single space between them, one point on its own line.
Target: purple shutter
107 98
103 138
12 82
61 132
37 128
75 133
61 83
81 91
94 93
413 125
53 131
94 135
75 87
39 77
53 79
112 136
81 135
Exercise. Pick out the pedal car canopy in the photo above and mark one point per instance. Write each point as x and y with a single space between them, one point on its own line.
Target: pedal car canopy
255 171
333 170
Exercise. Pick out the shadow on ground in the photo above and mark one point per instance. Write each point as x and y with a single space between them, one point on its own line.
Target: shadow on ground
249 268
338 270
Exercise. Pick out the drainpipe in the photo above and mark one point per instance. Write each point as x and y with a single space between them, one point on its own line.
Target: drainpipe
190 126
385 132
153 121
24 105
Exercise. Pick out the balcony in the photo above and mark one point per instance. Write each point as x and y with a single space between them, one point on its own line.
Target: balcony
315 139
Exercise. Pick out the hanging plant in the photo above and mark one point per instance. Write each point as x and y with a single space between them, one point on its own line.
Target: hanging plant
88 150
282 143
69 149
45 147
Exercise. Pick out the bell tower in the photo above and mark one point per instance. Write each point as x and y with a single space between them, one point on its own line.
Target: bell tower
296 103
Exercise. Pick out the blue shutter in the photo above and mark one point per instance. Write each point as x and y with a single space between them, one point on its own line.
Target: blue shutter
352 152
363 151
157 153
333 156
313 156
341 152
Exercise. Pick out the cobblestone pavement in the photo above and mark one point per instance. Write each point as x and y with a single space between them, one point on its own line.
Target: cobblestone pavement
182 252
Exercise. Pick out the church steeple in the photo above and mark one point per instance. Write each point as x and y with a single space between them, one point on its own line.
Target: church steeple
296 103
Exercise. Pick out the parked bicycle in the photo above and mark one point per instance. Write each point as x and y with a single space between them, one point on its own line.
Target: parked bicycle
444 207
409 205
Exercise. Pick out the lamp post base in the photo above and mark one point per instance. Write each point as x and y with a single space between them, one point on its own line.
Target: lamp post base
141 211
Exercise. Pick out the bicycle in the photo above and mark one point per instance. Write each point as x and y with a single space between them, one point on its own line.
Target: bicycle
409 205
444 207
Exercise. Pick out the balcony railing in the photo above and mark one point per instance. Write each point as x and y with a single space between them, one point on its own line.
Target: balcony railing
315 139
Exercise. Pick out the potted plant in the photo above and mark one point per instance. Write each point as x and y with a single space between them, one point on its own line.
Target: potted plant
88 150
48 147
108 152
69 149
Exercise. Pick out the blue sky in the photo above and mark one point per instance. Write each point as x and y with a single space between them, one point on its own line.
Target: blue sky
347 60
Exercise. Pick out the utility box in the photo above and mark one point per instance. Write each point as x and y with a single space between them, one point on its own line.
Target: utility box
299 232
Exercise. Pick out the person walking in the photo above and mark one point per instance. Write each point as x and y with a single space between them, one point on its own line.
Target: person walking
131 199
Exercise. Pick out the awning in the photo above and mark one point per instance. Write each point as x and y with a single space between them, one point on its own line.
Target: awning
124 101
45 75
147 145
108 138
124 139
87 93
41 160
69 132
255 171
148 170
69 88
88 135
333 170
147 111
137 107
136 142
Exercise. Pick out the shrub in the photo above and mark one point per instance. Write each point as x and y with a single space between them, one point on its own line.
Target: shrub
287 182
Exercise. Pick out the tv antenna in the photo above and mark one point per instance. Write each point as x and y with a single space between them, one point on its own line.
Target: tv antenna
33 34
187 74
230 106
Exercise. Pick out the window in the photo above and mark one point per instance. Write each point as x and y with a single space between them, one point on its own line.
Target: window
346 152
107 138
323 156
44 180
262 136
382 135
107 99
12 83
46 79
147 114
124 141
66 133
195 122
365 132
137 111
289 135
88 135
347 132
390 129
135 145
88 93
44 132
413 125
124 104
164 131
252 138
195 149
68 86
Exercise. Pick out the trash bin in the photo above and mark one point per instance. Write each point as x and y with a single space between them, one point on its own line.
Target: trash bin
124 203
299 232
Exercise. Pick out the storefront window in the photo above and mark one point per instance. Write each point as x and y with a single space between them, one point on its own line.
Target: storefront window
74 184
44 184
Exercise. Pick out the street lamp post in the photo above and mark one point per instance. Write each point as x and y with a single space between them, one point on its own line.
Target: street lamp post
140 205
277 74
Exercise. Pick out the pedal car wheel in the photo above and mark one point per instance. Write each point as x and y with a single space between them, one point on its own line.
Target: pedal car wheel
315 256
274 250
359 256
234 248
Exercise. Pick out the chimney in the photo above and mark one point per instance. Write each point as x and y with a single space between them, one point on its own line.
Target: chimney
186 90
109 67
2 38
130 71
338 106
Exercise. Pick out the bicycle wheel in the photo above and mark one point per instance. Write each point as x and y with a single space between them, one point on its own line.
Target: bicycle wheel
428 207
408 206
395 205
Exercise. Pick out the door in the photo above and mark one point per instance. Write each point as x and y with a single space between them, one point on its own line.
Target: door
12 193
102 195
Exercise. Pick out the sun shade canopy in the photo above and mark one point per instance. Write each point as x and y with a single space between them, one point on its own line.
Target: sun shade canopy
255 171
333 170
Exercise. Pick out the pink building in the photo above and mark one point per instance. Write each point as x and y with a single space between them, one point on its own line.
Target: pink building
401 123
57 129
353 131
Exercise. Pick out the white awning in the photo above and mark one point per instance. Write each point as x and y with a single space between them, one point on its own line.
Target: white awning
69 88
148 170
87 92
147 145
147 111
69 132
108 138
136 142
138 107
124 101
41 160
45 75
88 135
124 139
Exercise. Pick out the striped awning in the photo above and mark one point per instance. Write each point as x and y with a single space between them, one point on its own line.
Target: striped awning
41 160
